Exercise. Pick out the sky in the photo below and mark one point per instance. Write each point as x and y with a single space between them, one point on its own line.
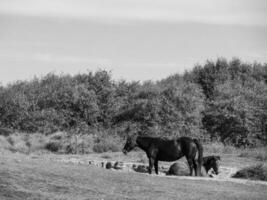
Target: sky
134 39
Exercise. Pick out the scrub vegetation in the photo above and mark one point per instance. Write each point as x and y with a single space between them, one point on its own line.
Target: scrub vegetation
221 101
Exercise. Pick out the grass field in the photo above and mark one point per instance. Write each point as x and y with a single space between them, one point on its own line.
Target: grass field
39 177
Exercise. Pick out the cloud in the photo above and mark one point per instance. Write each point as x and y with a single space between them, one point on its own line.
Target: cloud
240 12
52 58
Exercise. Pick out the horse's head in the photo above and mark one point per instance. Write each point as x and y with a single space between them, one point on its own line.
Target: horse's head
215 164
212 162
130 144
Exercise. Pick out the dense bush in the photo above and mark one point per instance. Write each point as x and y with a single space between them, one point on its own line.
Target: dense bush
53 146
222 101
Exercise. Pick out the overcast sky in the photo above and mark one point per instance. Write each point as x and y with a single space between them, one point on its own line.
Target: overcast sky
135 39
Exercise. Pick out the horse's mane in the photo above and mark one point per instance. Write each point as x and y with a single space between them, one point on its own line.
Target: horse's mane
207 161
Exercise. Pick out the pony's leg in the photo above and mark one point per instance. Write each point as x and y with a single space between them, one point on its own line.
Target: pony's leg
156 165
151 164
152 155
190 164
195 167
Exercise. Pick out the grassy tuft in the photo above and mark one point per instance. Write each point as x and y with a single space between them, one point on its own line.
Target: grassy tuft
257 172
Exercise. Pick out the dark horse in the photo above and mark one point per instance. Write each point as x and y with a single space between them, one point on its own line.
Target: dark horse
210 167
211 162
162 149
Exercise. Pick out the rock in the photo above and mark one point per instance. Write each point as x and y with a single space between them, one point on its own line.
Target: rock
140 168
118 165
109 165
178 169
182 169
91 162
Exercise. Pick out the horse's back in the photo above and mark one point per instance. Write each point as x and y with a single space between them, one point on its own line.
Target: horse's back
169 150
178 147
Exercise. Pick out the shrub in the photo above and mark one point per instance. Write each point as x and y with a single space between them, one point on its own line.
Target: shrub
106 156
53 146
257 172
18 143
106 145
4 143
37 142
10 141
5 132
24 143
78 144
63 142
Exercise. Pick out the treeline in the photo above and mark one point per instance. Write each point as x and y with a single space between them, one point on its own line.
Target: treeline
221 100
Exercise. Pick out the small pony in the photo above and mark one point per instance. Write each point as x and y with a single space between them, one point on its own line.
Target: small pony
211 162
210 166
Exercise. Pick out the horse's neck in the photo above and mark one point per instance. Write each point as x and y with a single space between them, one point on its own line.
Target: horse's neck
142 143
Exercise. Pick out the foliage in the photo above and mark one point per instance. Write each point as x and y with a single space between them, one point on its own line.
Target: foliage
224 101
53 146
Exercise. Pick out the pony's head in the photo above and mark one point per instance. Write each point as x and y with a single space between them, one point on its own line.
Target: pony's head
130 144
212 162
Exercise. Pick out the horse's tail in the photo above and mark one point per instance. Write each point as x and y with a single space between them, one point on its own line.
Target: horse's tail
200 155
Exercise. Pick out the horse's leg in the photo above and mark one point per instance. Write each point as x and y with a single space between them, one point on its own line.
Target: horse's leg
195 167
156 166
152 155
151 164
190 164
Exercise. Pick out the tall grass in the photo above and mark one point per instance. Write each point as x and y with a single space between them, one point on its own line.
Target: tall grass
259 153
60 142
106 144
63 142
219 148
23 143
